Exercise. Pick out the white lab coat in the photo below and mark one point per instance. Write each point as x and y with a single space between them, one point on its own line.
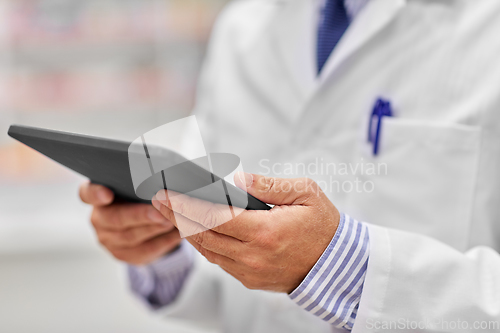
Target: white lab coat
434 217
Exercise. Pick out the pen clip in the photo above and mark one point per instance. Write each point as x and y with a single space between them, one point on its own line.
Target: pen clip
382 108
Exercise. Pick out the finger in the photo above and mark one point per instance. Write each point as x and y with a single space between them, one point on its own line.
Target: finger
278 191
206 213
214 258
132 237
186 226
149 251
218 243
96 195
222 219
124 216
203 212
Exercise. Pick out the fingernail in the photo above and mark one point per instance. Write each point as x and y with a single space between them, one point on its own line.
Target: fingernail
155 215
248 179
161 195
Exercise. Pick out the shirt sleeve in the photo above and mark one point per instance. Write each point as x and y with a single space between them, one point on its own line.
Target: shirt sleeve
159 283
333 287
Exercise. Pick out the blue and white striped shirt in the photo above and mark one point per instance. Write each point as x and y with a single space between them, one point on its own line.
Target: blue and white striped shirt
333 287
331 290
159 283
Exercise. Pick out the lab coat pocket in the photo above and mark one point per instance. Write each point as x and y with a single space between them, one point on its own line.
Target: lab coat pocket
422 181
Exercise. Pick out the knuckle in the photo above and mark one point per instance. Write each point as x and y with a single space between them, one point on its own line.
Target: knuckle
273 240
210 256
311 186
128 236
277 185
266 240
132 213
269 184
203 251
114 220
199 238
251 284
246 283
254 264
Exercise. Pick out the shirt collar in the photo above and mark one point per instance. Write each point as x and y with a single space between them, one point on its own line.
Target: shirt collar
353 7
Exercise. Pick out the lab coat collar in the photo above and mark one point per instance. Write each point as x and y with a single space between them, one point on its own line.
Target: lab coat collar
371 19
294 32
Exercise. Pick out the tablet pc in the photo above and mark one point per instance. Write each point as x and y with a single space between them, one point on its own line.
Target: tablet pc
106 162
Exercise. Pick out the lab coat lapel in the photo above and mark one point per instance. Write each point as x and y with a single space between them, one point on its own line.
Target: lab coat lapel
376 15
276 64
371 19
294 33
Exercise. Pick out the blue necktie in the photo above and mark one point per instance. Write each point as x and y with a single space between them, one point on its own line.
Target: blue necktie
331 28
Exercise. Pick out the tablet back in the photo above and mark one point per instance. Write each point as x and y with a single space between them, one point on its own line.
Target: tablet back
106 162
103 161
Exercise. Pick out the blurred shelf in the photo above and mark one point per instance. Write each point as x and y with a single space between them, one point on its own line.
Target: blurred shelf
69 56
112 112
48 22
109 112
80 91
115 124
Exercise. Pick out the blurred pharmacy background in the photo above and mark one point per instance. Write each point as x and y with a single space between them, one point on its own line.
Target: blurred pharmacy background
114 68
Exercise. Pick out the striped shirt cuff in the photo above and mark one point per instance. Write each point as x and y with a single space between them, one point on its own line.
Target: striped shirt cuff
159 283
333 287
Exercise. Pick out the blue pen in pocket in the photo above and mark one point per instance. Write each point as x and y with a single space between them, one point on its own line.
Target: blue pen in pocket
381 109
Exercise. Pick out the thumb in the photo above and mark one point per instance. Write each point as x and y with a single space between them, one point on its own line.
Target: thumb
278 191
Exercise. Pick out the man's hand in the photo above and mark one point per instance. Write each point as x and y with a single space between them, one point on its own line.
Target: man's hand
134 233
267 250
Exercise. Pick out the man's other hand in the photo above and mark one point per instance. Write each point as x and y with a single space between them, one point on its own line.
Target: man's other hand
134 233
